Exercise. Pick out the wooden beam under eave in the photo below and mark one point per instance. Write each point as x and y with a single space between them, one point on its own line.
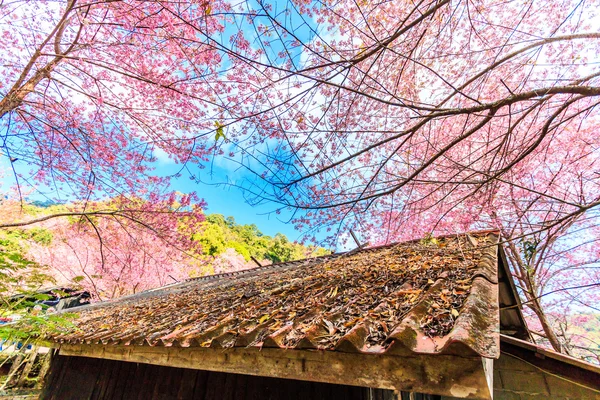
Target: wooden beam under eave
445 375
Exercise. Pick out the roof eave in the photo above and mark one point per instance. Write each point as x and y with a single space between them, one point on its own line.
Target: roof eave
446 375
575 369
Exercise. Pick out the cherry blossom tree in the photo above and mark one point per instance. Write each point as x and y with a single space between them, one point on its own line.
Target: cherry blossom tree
398 119
90 93
403 102
116 255
230 261
394 119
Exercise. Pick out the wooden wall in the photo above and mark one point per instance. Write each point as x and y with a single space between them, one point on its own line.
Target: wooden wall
80 378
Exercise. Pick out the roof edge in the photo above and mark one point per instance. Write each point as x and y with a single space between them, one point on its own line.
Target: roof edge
464 376
565 366
551 353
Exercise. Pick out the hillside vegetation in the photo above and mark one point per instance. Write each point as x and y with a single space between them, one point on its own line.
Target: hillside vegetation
112 257
221 233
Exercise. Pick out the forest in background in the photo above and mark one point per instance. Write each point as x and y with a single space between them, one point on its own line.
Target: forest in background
121 261
584 332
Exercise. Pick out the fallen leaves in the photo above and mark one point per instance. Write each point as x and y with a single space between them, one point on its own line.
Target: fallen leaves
321 300
333 292
264 319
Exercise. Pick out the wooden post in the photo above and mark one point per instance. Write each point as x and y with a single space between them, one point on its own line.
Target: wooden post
14 369
46 361
28 366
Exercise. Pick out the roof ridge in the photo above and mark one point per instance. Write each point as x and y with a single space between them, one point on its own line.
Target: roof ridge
327 256
261 268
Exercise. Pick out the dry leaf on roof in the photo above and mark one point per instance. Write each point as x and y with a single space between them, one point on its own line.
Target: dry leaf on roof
320 300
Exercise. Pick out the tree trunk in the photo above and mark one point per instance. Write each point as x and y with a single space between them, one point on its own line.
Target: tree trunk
532 301
548 331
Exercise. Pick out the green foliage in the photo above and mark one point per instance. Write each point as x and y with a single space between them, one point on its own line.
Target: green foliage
33 325
529 249
584 332
12 240
39 235
219 131
12 261
20 279
429 240
280 250
220 233
240 248
212 239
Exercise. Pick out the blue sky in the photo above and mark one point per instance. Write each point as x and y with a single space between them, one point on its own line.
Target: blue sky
220 198
230 201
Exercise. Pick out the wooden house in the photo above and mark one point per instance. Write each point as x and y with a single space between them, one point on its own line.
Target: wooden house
430 319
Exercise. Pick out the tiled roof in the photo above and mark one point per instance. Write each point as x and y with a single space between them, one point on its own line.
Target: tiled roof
431 296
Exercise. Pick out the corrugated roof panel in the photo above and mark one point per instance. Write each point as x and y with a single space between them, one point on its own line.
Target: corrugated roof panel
429 297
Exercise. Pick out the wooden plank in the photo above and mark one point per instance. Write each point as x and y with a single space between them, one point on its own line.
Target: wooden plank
102 379
60 376
78 381
151 379
46 361
116 375
180 383
302 389
200 388
187 384
92 373
436 374
353 393
54 378
146 388
124 379
254 387
63 377
241 384
229 386
215 386
168 385
33 354
176 379
134 382
288 389
579 371
164 376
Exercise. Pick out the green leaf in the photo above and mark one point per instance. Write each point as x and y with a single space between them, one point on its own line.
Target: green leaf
429 240
219 132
